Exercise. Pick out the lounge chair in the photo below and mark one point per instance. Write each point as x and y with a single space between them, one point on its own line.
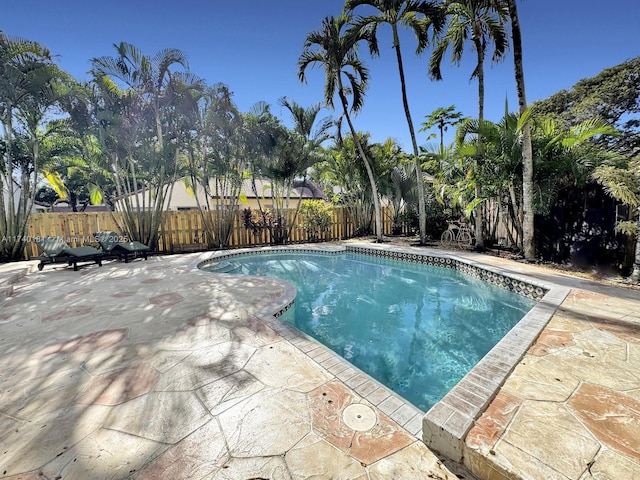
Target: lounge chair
56 250
111 244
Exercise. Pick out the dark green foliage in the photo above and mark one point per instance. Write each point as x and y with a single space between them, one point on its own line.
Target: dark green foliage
613 96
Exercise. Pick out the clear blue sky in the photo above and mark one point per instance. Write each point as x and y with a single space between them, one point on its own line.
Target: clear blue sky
253 46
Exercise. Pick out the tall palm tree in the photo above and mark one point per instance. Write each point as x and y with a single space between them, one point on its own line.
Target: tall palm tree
334 47
149 77
527 149
418 16
27 78
481 22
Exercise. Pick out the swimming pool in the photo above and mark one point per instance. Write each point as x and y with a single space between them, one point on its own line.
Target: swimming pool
445 426
418 329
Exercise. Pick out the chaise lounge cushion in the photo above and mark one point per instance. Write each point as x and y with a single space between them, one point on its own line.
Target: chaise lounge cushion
56 250
111 244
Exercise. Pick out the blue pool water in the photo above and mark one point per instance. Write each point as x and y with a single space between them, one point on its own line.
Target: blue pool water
417 329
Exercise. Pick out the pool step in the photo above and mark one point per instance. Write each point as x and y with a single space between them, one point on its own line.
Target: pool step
224 267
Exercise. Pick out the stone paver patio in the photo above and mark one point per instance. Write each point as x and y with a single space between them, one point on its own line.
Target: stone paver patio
151 370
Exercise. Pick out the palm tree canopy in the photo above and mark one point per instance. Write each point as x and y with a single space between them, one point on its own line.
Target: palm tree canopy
305 120
334 48
475 20
141 72
413 15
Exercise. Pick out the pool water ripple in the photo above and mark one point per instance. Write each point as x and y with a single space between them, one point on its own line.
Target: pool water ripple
418 329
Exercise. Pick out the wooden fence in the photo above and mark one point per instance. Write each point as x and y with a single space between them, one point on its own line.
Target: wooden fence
182 230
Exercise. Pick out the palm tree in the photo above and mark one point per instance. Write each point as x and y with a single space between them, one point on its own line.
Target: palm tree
343 173
334 47
217 165
501 175
305 121
481 22
309 133
442 118
564 158
159 109
27 92
527 149
418 16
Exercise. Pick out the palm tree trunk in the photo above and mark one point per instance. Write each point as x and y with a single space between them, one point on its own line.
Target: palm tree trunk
635 273
527 150
517 221
478 221
372 180
422 214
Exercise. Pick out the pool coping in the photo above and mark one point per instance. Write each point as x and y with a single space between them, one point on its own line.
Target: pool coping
445 426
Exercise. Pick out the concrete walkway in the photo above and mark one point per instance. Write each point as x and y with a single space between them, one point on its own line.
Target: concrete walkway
149 370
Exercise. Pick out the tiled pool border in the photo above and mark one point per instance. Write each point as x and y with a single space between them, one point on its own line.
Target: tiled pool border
445 426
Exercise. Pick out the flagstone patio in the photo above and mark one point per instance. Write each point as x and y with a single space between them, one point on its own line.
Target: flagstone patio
152 370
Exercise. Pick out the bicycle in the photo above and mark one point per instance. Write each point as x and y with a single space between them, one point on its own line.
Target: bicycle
457 235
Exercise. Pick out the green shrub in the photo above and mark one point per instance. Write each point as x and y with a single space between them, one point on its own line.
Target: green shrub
316 218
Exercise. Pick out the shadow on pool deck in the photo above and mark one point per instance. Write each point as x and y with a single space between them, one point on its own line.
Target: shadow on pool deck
149 370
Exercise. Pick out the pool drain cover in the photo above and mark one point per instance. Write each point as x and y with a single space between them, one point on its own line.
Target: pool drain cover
359 417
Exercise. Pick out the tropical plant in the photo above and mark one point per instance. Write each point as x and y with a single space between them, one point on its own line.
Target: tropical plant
343 173
70 159
500 173
28 79
280 157
620 178
334 48
401 191
482 22
389 164
612 95
528 245
149 112
455 176
418 16
217 163
565 157
316 218
304 148
83 163
442 118
307 123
